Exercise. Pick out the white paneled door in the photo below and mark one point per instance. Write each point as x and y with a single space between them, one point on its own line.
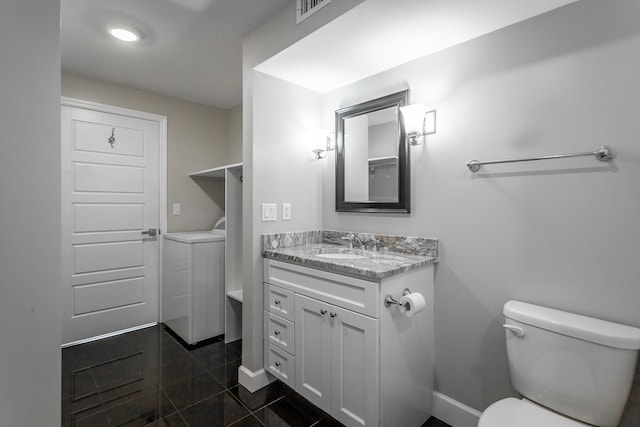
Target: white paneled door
110 209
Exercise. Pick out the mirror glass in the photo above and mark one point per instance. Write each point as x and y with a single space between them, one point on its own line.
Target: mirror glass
372 168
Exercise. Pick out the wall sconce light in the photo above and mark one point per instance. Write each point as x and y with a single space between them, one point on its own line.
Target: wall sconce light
418 121
323 140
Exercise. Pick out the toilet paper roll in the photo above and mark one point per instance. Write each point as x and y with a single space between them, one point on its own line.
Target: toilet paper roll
412 303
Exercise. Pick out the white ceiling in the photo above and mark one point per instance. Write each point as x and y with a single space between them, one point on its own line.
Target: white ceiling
378 35
191 49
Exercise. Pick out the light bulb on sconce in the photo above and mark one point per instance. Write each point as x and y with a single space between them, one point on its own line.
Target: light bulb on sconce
418 122
323 140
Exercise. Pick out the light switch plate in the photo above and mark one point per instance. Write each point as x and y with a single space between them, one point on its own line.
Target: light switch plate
269 212
176 209
286 211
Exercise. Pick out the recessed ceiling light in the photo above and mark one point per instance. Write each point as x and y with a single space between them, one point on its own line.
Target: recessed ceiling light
124 34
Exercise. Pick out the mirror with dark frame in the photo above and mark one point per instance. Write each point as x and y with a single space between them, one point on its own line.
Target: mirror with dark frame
372 157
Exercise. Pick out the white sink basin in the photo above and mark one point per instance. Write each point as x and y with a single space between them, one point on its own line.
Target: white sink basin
341 256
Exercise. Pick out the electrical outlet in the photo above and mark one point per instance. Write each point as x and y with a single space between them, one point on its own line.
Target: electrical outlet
286 211
176 208
269 212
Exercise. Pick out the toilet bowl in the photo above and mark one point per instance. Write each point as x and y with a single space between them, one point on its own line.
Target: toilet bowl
512 412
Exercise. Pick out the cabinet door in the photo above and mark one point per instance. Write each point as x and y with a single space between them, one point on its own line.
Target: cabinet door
355 368
313 346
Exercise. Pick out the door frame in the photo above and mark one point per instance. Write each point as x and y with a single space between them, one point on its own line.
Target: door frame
162 185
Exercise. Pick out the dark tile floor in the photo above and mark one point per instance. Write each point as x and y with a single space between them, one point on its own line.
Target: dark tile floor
148 378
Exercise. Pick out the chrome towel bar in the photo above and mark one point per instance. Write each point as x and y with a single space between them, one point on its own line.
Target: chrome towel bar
604 154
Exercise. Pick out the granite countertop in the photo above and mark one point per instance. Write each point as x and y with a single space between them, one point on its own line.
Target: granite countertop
366 255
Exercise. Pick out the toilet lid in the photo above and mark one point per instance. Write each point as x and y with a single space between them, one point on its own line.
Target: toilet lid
512 412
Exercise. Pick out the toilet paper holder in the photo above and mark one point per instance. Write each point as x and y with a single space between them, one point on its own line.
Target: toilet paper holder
389 299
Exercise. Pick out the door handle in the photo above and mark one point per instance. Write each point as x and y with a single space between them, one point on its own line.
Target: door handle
152 232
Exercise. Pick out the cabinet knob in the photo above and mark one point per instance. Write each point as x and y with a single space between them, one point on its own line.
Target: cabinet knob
276 332
276 302
323 311
333 314
278 364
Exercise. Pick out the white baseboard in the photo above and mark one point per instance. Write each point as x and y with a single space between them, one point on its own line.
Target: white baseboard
109 335
253 381
454 413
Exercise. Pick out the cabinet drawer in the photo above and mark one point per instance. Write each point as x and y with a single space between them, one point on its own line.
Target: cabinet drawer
347 292
278 301
279 363
279 332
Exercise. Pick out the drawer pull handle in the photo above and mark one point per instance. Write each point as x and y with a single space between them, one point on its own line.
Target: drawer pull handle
277 302
333 314
278 364
323 311
276 332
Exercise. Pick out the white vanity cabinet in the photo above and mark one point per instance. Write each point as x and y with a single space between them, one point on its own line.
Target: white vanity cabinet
337 360
331 338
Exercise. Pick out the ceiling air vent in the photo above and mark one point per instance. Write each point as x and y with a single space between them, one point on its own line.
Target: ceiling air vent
306 8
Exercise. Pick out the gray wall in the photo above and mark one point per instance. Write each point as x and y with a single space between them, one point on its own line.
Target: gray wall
30 213
275 35
234 135
561 233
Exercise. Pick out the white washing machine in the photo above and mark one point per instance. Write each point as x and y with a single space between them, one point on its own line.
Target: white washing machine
193 283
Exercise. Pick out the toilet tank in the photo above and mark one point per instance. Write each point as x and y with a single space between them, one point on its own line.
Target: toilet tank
576 365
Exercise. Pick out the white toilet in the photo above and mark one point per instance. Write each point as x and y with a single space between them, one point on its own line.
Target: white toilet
572 370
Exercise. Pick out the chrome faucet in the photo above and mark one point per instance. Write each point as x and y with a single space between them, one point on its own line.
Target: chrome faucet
350 239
